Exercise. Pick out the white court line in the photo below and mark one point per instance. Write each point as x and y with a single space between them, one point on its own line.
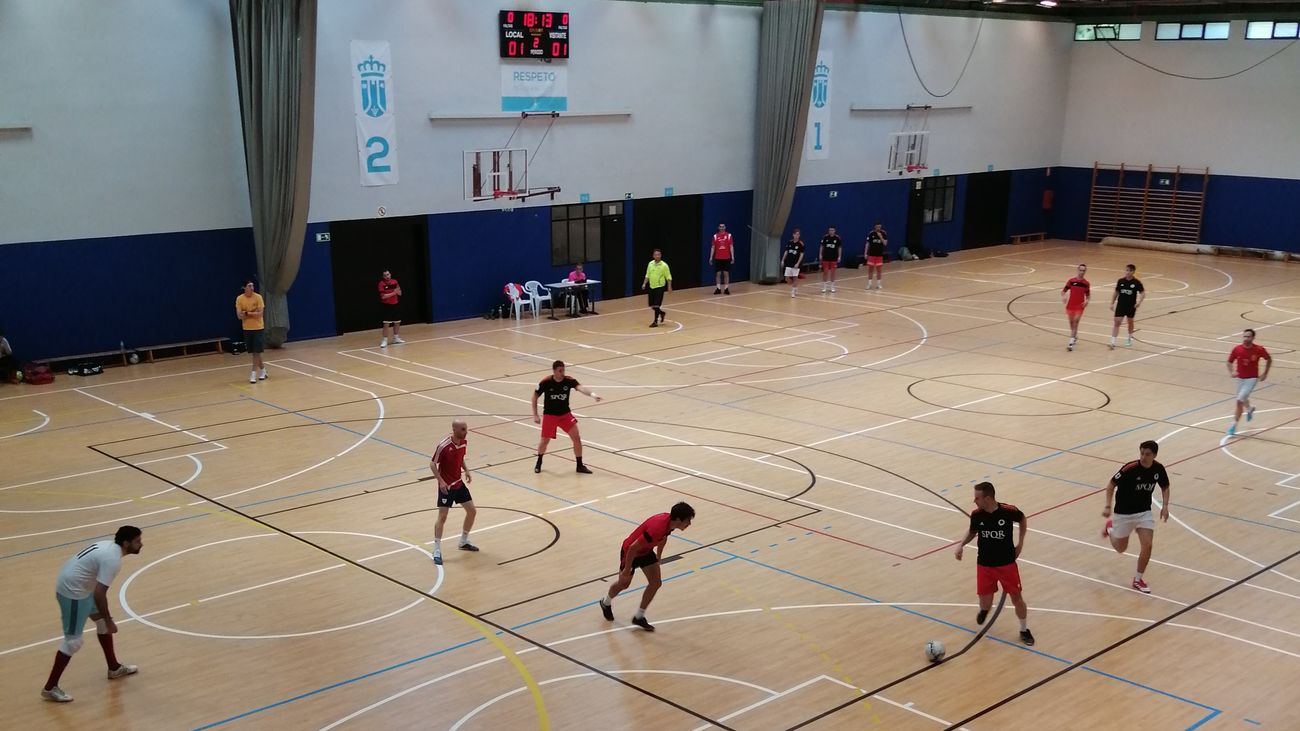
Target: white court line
198 470
147 417
346 354
45 419
571 507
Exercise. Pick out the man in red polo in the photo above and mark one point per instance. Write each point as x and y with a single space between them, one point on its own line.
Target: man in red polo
720 256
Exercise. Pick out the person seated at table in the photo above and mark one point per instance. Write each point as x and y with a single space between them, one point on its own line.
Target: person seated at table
577 275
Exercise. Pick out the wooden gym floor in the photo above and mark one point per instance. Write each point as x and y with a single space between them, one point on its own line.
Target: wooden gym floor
284 580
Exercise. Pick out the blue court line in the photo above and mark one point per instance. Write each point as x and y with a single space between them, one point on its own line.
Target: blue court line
1204 721
404 663
719 563
1251 720
335 426
81 541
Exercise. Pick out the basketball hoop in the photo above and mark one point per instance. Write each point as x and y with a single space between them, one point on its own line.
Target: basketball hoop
909 147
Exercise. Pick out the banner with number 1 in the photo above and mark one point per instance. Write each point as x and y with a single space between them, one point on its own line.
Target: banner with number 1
817 140
372 95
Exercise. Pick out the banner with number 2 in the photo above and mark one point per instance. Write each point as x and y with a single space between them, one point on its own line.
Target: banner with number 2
372 95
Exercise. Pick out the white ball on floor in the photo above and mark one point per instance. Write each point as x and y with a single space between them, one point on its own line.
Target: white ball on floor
934 651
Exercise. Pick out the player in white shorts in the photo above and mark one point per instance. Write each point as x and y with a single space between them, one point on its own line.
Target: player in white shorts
791 260
1132 489
82 593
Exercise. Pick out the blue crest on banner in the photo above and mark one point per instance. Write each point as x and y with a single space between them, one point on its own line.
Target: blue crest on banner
374 94
821 85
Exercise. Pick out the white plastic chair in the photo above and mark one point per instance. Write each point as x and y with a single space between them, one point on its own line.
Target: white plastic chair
540 295
518 300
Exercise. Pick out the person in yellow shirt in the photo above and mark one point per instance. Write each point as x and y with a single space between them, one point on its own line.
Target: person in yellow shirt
250 307
658 278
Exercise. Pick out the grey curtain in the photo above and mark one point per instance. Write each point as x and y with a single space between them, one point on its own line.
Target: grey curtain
275 63
787 52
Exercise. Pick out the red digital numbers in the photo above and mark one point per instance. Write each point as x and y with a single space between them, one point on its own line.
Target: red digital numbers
564 20
530 20
547 31
510 17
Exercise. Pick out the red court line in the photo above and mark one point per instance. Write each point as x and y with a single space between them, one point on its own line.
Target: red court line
716 502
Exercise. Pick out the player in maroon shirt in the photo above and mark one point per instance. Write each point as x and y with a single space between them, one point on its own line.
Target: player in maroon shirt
721 254
1246 357
448 467
1075 296
390 302
991 523
642 549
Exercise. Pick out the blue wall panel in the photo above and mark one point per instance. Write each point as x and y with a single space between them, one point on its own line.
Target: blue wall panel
853 211
1025 212
1069 217
70 297
311 298
1261 213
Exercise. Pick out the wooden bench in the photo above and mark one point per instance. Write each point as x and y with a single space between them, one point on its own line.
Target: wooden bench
1025 238
149 354
208 347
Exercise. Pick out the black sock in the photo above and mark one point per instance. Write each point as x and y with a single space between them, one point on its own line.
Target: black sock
539 460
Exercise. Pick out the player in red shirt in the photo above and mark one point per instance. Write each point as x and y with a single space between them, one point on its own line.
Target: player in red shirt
991 523
1075 296
642 549
720 256
448 467
1247 357
390 297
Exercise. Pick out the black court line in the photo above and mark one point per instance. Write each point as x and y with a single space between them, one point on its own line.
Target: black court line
1012 394
555 528
676 556
902 679
1121 642
812 477
500 628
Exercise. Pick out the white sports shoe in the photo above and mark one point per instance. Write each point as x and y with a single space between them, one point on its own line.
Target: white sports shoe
122 671
832 288
383 342
56 695
262 376
252 377
398 339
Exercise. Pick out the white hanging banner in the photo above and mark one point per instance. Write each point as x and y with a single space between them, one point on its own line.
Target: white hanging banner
372 97
534 89
817 139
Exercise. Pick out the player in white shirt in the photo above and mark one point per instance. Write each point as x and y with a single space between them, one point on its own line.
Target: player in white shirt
82 592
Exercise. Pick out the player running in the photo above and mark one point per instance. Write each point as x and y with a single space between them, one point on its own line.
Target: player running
448 466
1075 295
991 522
556 412
1247 357
1124 302
642 550
1132 489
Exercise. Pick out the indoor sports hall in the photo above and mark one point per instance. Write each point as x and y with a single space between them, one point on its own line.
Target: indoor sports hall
829 428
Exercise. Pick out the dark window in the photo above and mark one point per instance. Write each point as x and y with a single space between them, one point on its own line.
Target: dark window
575 232
938 198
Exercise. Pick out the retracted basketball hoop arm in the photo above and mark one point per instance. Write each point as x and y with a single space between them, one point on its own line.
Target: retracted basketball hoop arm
506 155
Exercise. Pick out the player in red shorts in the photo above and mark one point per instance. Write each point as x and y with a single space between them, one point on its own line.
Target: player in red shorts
1075 295
720 256
556 413
874 255
642 550
991 522
448 466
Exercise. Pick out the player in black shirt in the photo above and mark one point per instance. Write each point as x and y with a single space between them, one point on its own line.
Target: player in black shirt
991 523
877 240
1132 489
556 411
832 250
791 260
1128 295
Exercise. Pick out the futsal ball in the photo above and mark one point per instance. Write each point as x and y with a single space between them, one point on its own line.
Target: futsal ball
934 650
133 358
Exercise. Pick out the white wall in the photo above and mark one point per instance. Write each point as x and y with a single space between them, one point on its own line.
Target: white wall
1119 111
135 115
686 72
1015 85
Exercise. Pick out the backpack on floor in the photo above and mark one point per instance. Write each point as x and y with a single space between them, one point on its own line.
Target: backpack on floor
37 374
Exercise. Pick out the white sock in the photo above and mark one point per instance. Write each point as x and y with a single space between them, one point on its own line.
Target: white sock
1139 576
464 537
1112 341
640 613
437 545
604 601
1024 623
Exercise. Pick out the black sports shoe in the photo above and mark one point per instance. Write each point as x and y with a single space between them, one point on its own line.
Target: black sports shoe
654 322
643 624
583 469
727 290
983 615
1026 636
717 291
662 315
538 467
606 610
467 547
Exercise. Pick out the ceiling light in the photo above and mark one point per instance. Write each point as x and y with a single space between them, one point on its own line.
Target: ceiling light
1046 3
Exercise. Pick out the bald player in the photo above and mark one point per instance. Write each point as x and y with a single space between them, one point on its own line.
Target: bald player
448 466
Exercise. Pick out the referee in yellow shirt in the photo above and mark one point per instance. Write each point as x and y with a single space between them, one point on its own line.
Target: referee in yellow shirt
658 277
